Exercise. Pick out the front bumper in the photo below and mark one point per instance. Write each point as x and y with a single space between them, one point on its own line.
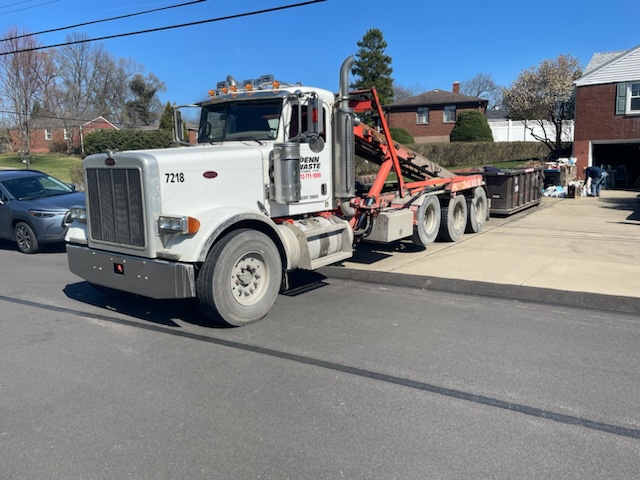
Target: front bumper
151 278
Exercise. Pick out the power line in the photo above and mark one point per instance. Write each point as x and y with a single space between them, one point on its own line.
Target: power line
93 22
15 3
170 27
26 8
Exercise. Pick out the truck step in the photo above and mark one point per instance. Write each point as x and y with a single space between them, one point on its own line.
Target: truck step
329 259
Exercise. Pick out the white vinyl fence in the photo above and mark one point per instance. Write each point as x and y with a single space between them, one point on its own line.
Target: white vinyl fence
520 130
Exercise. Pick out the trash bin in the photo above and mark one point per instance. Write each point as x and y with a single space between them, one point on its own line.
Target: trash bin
559 174
513 190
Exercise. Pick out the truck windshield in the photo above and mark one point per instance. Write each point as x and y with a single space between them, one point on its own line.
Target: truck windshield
246 120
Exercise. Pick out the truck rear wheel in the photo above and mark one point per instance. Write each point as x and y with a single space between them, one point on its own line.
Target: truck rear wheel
240 279
454 219
428 221
478 208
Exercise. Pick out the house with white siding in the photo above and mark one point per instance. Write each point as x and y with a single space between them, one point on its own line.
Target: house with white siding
607 116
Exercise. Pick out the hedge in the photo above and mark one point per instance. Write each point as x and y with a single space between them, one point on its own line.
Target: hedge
469 154
102 141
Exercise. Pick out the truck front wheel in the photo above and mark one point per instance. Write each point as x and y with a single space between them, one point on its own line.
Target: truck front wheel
240 279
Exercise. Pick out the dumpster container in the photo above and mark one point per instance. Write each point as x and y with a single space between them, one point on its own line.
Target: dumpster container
512 190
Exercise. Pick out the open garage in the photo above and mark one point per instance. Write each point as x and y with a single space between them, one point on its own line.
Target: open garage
622 160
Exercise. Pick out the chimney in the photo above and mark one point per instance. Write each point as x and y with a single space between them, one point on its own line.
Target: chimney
456 87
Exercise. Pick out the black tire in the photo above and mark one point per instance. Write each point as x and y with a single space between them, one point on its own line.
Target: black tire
26 238
240 279
454 219
478 207
428 218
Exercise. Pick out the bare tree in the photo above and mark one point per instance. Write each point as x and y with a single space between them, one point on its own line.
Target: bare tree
27 77
483 86
401 92
545 96
91 81
112 95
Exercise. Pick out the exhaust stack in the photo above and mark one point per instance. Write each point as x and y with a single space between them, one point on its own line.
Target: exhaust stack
344 177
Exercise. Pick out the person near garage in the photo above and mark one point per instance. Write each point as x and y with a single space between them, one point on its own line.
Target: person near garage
598 176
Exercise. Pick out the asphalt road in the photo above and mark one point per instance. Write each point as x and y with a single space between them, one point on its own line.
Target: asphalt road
343 379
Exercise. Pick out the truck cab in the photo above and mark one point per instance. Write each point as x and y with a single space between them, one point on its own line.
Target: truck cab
262 164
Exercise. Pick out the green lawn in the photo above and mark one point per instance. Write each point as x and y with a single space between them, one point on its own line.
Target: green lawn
56 165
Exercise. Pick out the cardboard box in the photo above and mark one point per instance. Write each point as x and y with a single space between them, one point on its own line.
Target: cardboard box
574 191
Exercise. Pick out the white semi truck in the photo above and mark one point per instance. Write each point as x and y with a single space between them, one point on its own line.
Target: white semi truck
268 187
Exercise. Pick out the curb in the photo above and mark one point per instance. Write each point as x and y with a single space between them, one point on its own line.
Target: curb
591 301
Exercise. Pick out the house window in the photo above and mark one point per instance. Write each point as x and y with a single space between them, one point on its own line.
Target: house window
48 135
422 115
634 97
450 113
65 134
628 98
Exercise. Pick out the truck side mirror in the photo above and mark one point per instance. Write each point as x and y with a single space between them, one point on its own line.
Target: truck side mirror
315 123
315 120
178 127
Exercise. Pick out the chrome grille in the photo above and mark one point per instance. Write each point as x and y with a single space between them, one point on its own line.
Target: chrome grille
116 213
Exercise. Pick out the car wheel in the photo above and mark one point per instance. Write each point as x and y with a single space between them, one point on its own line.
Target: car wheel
26 238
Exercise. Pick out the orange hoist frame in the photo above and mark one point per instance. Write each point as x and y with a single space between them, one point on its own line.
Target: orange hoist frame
379 147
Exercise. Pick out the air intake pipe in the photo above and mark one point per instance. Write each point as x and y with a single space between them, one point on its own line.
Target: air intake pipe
344 176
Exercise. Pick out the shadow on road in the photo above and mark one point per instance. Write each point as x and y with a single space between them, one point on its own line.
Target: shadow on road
631 204
167 312
45 248
162 312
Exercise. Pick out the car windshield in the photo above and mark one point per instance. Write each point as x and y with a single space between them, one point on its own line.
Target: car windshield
32 187
248 120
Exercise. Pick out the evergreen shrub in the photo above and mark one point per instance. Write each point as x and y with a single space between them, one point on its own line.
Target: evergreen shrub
471 126
102 141
401 136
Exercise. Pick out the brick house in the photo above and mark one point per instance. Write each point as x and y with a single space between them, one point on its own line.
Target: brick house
47 132
607 117
431 116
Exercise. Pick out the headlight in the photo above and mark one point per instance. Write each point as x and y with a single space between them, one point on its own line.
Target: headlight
45 213
170 224
78 213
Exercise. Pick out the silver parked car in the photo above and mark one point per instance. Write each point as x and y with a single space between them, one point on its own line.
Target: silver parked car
34 208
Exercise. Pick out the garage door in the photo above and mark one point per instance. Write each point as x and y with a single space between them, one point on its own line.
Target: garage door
623 162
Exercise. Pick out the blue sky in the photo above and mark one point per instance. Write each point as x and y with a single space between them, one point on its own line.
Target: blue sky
432 44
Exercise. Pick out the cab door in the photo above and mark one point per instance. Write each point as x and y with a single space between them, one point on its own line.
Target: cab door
315 164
